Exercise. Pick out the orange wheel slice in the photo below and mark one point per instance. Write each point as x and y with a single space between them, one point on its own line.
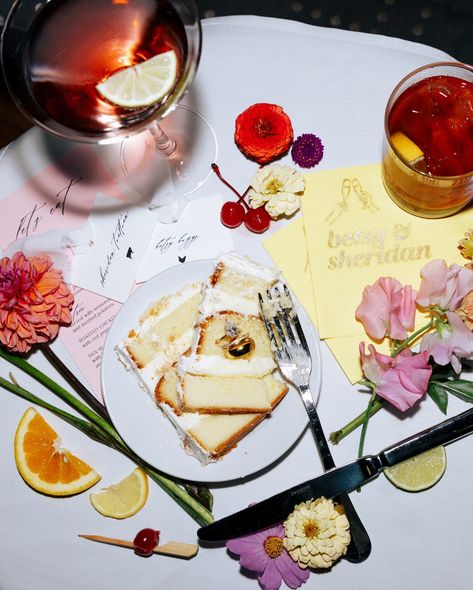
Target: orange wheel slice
44 464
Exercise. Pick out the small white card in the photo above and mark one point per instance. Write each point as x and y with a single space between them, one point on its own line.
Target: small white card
196 235
121 237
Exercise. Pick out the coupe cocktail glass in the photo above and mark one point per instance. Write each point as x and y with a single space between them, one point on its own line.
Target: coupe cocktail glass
56 52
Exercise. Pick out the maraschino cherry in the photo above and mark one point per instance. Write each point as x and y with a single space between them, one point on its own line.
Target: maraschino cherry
257 220
145 542
233 214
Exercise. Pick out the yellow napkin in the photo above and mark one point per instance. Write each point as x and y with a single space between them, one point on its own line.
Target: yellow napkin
354 235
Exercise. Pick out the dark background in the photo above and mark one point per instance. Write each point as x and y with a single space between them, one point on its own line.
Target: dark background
444 24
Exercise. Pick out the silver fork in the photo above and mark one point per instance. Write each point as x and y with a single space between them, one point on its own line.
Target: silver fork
292 354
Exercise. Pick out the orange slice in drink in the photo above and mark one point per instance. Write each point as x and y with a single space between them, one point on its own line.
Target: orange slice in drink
142 84
406 148
44 464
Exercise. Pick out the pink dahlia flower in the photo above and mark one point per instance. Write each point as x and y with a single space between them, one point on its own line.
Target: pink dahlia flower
402 380
449 343
264 554
34 301
387 309
443 285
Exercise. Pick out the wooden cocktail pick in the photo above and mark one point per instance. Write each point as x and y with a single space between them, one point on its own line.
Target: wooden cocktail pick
172 548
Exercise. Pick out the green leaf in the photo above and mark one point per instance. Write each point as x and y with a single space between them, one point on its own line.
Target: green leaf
438 394
462 388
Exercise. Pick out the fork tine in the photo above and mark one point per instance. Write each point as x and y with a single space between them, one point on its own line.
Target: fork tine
270 328
277 323
284 318
296 321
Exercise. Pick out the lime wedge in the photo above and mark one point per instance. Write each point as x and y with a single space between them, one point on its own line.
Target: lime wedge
420 472
142 84
409 150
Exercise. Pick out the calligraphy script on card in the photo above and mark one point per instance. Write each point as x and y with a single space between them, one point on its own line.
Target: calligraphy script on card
196 235
116 242
121 238
178 242
59 197
31 221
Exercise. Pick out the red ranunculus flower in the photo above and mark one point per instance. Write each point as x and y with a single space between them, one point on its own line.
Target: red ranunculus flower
34 301
263 132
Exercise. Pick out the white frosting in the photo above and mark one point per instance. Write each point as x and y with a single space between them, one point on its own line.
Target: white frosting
153 371
216 300
182 423
244 265
172 303
218 366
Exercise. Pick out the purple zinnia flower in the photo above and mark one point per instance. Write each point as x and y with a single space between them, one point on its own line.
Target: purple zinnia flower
264 554
307 150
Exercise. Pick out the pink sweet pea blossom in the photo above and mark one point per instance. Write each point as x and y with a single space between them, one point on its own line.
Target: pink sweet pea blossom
387 308
264 554
449 343
444 286
402 380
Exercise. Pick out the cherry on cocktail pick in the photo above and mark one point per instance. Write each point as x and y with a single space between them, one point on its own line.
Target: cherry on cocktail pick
146 541
171 548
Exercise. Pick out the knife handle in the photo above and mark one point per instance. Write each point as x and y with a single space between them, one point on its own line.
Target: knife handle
443 433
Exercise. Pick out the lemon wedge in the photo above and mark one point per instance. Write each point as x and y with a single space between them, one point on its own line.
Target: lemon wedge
142 84
123 499
409 150
420 472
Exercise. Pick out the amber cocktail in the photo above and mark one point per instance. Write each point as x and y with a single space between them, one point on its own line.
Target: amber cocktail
428 146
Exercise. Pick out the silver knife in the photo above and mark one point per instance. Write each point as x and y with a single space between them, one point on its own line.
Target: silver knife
336 481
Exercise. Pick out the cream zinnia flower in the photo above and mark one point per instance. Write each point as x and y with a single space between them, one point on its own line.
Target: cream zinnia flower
278 188
316 534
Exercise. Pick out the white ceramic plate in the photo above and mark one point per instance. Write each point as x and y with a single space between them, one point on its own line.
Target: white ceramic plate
150 434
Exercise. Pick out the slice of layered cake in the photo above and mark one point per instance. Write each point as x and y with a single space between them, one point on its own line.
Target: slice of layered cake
208 437
205 358
165 332
231 353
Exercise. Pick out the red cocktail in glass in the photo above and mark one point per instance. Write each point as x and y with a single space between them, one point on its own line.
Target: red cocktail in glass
428 147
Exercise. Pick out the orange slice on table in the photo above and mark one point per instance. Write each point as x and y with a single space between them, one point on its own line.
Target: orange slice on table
44 464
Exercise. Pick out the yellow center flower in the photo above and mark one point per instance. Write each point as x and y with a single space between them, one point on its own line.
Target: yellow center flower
316 534
311 529
273 546
273 186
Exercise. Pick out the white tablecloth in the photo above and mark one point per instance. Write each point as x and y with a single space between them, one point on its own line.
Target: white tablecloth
335 84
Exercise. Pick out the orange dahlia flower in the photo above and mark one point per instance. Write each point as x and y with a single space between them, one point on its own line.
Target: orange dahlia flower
263 132
34 301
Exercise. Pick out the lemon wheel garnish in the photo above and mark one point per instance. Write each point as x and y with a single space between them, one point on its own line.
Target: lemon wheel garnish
142 84
44 464
420 472
123 499
409 150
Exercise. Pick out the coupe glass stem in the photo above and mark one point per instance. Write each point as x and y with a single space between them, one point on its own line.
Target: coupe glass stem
165 144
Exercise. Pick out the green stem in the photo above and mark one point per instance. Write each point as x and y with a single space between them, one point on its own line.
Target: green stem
338 435
61 393
86 427
364 425
198 512
408 341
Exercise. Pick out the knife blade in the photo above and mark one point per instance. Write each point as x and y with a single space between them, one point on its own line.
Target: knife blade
336 481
